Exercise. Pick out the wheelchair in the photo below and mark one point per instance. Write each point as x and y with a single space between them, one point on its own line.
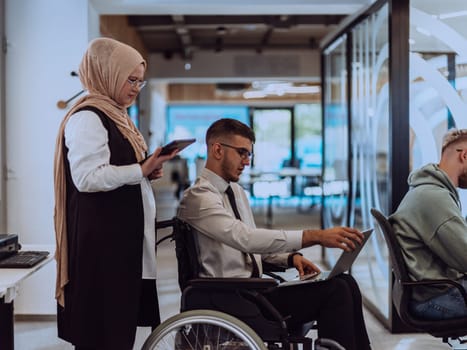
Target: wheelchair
225 313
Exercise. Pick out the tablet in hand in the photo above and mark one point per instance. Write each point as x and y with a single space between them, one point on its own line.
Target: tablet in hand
176 144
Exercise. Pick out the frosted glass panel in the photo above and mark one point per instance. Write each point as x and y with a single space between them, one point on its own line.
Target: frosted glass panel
356 179
335 171
438 76
370 151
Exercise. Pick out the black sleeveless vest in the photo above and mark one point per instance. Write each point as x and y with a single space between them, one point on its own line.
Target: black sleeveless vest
105 241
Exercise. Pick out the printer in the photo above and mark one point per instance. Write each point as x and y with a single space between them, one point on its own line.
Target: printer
8 245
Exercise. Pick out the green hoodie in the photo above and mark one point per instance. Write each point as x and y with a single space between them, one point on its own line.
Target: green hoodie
431 229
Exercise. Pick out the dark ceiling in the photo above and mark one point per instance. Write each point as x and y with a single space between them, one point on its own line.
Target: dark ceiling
185 34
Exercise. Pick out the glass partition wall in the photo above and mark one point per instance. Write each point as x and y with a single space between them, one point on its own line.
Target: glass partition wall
369 120
394 81
438 75
357 133
335 138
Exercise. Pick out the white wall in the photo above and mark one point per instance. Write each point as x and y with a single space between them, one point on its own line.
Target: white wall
158 121
46 40
2 121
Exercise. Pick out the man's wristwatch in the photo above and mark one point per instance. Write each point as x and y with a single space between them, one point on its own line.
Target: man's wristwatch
290 258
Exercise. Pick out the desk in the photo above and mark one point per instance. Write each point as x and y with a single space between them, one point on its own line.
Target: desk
280 183
276 176
9 285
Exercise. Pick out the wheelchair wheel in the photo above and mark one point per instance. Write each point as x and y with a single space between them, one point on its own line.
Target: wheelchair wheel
327 344
203 330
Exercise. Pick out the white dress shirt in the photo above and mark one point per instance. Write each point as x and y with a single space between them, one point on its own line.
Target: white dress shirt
223 239
89 156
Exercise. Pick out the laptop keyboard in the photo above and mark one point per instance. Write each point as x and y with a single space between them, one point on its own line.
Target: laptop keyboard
23 259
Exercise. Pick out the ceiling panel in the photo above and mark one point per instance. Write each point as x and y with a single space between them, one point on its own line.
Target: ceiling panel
183 35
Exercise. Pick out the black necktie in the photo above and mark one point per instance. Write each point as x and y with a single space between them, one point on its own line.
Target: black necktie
233 204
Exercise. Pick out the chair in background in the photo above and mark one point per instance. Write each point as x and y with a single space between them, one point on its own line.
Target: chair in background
305 183
292 164
179 175
452 330
232 311
311 187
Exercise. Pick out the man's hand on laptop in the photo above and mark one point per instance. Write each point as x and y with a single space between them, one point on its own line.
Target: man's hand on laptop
344 238
304 266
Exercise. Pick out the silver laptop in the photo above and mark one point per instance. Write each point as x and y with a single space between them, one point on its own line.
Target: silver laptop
343 264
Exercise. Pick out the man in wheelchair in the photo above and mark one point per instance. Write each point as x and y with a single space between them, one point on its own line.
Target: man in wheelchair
230 245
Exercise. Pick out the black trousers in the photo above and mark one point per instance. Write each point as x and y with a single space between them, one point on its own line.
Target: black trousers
336 304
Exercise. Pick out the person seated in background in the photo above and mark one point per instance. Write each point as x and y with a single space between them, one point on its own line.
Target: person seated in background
230 245
432 231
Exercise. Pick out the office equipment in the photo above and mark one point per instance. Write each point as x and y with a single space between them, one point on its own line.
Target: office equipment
8 245
10 284
23 259
12 257
343 264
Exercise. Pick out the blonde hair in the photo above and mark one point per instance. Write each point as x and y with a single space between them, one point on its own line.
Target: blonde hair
453 136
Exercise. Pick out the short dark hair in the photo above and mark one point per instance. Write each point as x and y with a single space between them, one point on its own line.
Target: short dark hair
229 127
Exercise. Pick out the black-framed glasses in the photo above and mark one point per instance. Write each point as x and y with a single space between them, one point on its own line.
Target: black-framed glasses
242 152
137 83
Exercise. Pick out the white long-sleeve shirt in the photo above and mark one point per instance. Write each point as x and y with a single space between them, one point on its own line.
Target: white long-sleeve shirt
89 156
222 238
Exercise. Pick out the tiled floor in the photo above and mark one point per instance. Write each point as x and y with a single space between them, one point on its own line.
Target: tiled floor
43 336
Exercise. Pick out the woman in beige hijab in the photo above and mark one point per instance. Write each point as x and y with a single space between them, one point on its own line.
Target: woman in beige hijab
104 206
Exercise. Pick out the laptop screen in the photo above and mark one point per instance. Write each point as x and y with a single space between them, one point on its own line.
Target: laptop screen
346 259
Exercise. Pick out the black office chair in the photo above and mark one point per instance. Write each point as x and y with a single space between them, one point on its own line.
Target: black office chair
239 297
450 330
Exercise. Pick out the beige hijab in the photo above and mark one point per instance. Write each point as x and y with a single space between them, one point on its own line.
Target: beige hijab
103 71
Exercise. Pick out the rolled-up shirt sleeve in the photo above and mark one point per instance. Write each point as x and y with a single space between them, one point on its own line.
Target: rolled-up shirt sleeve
89 156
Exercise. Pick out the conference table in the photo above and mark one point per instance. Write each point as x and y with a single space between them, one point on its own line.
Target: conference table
10 280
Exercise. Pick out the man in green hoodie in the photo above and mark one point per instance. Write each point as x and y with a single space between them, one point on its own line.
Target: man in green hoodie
432 231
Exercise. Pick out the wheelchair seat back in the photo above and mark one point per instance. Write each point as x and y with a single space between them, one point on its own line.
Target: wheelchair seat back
187 253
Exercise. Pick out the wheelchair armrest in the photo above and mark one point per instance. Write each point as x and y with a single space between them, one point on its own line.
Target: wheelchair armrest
165 223
453 283
230 283
270 269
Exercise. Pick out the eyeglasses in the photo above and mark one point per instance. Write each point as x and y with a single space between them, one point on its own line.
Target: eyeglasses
242 152
137 83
